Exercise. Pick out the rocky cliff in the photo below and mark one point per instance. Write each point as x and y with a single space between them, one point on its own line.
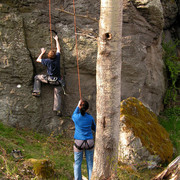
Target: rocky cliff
24 29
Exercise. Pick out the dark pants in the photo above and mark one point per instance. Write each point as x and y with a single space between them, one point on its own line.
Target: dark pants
57 90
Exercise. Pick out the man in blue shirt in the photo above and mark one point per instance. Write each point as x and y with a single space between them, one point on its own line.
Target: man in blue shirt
53 75
84 124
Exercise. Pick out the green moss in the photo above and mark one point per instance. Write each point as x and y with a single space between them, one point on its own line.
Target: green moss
144 125
43 168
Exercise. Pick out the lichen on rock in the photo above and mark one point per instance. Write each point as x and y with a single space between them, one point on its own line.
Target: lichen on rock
142 138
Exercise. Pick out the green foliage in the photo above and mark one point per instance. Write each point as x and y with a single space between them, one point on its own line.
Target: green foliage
37 146
173 70
59 150
170 120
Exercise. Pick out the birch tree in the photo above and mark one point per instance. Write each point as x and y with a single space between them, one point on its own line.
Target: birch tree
108 79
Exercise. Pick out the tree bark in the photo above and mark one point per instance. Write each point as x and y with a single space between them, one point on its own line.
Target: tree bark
108 81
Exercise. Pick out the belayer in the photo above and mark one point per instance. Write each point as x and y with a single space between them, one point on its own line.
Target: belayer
53 76
83 139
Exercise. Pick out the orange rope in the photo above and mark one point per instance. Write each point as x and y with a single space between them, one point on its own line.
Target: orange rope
76 49
50 21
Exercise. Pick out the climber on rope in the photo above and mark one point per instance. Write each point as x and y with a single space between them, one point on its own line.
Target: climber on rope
53 75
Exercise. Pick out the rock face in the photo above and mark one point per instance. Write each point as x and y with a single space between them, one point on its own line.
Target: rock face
142 139
171 19
24 29
170 9
142 67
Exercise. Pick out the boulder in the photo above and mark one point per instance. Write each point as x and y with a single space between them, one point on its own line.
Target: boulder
142 139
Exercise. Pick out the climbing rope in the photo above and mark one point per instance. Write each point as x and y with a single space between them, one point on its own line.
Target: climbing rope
76 49
50 22
75 41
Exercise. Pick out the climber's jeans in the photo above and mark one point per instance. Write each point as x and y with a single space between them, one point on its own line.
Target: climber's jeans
78 157
57 90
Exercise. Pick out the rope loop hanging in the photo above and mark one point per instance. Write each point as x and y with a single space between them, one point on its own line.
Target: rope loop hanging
76 49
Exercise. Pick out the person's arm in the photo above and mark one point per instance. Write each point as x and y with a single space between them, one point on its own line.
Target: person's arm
79 104
57 44
39 59
76 111
75 114
93 127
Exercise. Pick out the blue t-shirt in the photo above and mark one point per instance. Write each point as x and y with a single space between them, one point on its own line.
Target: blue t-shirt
83 125
53 66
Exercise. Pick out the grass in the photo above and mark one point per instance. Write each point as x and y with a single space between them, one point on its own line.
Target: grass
170 120
145 174
34 145
59 151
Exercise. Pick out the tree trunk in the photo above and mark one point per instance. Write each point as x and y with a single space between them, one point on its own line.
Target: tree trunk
108 80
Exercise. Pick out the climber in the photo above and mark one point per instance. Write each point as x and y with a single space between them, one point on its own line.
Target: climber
84 124
53 75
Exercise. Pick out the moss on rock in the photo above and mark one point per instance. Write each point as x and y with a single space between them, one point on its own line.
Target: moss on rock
144 124
43 168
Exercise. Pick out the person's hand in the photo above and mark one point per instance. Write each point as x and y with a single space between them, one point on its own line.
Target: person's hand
43 50
79 104
55 37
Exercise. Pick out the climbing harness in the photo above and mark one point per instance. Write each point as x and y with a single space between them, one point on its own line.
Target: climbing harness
76 49
52 80
55 81
86 145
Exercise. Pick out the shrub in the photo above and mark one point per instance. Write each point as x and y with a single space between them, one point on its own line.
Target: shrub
172 69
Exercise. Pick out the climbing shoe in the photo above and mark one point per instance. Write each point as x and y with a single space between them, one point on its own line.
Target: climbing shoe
59 113
37 94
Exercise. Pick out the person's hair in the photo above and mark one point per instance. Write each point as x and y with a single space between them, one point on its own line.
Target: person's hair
84 107
52 54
